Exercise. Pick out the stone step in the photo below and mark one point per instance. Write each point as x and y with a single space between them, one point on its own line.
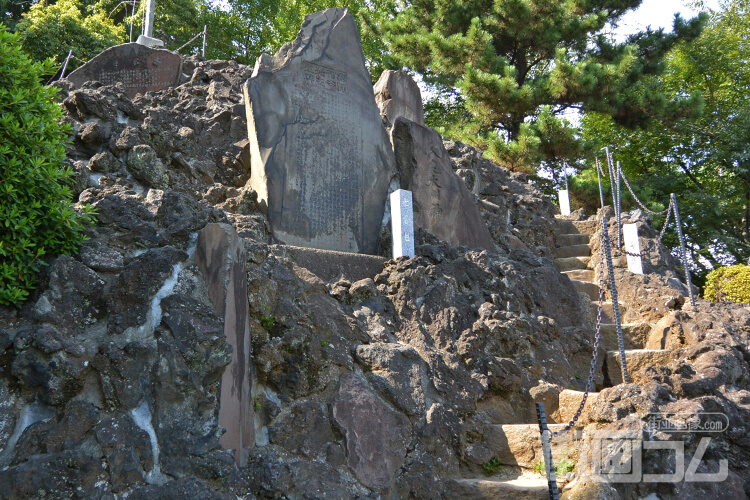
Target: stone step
573 251
634 335
569 401
566 240
589 289
566 227
608 315
636 360
520 445
581 275
524 487
571 263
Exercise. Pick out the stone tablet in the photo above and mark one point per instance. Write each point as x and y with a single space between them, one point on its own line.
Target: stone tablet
139 68
321 159
443 204
402 223
397 94
564 199
632 245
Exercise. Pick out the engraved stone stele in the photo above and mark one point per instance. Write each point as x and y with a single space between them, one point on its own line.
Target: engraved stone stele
321 159
632 245
564 198
443 204
402 223
139 68
397 94
221 258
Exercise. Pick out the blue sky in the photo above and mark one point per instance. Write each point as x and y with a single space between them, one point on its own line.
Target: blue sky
658 14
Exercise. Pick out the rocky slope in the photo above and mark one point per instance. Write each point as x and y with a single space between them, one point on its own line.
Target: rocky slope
413 383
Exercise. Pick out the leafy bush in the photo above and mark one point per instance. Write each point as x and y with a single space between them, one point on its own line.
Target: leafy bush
728 284
36 217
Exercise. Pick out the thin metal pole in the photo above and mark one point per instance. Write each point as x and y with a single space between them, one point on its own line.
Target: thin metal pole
62 73
682 249
615 303
599 176
203 51
619 207
611 168
549 467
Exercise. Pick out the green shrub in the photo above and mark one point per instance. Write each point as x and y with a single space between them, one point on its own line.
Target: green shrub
36 217
728 284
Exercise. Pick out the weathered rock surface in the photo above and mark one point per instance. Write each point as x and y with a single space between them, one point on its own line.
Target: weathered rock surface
322 163
397 94
443 205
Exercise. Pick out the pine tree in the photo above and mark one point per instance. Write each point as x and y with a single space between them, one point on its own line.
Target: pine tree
508 60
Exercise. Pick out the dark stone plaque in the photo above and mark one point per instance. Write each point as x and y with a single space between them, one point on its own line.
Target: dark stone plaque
139 68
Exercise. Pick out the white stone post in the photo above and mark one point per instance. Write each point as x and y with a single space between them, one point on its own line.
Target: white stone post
402 223
562 195
632 245
147 38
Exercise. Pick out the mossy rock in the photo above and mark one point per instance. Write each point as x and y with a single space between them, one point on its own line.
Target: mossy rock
729 284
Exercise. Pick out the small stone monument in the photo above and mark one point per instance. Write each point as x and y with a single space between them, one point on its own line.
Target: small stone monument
321 159
221 258
632 245
139 68
443 205
564 198
397 94
402 223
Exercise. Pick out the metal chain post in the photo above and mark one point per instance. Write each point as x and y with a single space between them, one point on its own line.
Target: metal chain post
618 208
549 467
673 199
599 177
203 50
615 303
611 168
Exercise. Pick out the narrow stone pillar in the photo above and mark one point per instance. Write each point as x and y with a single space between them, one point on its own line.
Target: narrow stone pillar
632 245
402 223
564 198
221 258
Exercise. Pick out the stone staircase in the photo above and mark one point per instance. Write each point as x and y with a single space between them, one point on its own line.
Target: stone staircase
518 448
573 258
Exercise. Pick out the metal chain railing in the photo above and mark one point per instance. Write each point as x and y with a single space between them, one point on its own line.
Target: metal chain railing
615 302
655 245
637 200
595 358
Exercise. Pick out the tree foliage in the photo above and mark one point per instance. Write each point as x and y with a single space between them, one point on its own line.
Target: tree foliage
704 159
36 218
50 31
519 64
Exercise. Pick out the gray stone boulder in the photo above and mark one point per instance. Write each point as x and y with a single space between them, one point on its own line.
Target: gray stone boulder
397 94
322 162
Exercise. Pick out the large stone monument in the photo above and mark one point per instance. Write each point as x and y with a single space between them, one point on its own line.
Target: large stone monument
397 94
139 68
321 158
443 204
221 258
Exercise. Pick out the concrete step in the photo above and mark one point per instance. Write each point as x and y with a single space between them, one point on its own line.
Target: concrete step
634 335
571 263
573 251
608 315
565 240
636 360
520 445
569 401
582 275
589 289
525 487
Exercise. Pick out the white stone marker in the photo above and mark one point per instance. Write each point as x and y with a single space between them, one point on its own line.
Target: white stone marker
147 38
632 245
402 223
562 195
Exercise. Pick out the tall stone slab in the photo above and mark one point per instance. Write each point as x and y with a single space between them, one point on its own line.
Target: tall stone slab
139 68
321 160
443 204
563 196
633 247
221 258
402 223
397 94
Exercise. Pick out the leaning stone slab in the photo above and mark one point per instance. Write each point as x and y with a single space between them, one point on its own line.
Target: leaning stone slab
139 68
443 204
221 258
321 159
398 95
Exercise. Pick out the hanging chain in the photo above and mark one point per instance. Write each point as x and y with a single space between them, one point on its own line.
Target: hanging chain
595 358
615 301
663 212
669 212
